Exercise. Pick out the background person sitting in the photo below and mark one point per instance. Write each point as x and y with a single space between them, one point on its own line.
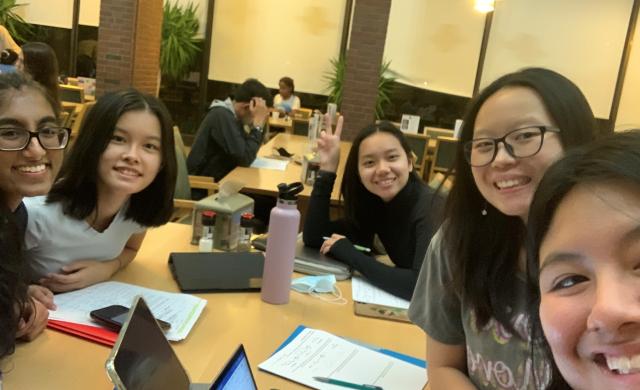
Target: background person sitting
285 100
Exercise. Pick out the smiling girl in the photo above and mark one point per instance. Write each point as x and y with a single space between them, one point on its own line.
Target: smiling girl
382 195
117 180
471 295
584 265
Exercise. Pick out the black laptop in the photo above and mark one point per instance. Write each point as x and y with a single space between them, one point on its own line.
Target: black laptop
217 271
142 359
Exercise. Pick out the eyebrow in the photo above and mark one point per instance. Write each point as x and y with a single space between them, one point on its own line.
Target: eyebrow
394 149
152 137
560 258
16 122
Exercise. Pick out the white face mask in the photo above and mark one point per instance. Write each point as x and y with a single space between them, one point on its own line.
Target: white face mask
318 285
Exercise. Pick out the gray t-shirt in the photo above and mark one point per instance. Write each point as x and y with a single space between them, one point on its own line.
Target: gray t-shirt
496 359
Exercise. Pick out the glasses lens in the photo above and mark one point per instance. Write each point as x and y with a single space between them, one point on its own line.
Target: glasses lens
480 151
53 137
13 139
525 142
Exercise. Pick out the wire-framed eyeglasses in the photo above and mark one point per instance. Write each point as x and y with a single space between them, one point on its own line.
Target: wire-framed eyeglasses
49 137
519 143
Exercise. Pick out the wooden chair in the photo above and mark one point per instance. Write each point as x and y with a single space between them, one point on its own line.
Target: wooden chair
301 113
444 156
300 126
418 144
182 202
71 93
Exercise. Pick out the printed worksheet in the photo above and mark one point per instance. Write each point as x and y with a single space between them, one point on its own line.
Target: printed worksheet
180 310
365 292
269 163
315 353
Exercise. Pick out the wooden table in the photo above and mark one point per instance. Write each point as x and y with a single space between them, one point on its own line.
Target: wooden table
60 361
265 181
282 122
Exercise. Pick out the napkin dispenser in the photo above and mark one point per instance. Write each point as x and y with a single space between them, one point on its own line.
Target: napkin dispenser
228 205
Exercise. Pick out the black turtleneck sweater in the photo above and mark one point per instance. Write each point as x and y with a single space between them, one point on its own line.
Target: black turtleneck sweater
405 226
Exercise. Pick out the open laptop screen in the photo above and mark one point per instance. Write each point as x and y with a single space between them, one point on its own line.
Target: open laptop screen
143 358
236 374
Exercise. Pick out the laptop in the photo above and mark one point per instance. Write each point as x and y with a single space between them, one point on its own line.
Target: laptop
217 271
309 260
142 359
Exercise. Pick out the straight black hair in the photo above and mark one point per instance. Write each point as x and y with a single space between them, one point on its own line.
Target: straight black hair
76 186
41 63
252 88
483 249
615 158
358 201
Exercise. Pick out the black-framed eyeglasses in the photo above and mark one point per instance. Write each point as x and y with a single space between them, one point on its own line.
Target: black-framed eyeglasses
519 143
50 137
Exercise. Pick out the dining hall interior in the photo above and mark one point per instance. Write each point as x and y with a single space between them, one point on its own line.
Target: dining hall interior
414 63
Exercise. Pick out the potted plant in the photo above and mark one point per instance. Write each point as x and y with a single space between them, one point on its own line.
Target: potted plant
335 78
179 47
19 29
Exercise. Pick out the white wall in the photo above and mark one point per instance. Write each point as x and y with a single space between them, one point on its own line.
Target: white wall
90 12
268 40
56 13
435 44
629 110
582 39
202 12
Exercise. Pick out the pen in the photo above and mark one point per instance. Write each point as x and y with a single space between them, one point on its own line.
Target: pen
358 247
346 384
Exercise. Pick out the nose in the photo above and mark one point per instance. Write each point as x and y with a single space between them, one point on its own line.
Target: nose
132 153
503 156
616 308
383 166
34 150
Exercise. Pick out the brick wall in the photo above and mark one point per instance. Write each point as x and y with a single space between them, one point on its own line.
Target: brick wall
364 57
129 45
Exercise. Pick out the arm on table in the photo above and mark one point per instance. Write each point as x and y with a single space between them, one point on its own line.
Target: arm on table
83 273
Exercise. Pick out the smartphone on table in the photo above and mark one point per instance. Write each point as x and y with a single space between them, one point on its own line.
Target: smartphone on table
114 317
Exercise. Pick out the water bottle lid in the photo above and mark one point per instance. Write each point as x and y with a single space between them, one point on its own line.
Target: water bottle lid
208 217
246 220
290 191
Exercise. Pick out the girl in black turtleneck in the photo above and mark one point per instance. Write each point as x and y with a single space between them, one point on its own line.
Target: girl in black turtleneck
383 196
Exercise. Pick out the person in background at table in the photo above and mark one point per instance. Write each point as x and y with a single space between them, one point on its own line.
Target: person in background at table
584 259
286 100
471 294
31 152
222 143
41 63
382 195
116 181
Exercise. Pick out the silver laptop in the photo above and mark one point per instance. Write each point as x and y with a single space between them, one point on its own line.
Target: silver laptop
142 359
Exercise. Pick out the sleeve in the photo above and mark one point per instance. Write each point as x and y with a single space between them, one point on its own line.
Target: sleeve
317 223
36 224
435 307
296 103
277 102
241 147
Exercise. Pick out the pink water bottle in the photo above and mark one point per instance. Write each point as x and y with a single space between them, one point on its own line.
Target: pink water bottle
281 245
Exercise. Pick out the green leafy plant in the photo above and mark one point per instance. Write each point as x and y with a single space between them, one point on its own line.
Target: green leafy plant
19 29
179 46
335 80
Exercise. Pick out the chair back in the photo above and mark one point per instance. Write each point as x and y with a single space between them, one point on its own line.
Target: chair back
418 144
183 188
71 93
435 132
444 156
301 113
300 126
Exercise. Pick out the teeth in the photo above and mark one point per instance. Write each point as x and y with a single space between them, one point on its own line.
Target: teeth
385 182
509 183
624 364
129 172
32 168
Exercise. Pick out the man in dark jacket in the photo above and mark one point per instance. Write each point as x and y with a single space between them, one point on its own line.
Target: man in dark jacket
222 143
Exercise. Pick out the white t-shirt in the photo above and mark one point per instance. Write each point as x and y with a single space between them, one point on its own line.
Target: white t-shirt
54 239
293 103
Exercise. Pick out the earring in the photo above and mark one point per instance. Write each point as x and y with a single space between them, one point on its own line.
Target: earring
484 209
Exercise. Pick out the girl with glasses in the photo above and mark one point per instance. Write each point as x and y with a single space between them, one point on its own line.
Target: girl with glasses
470 297
584 262
28 164
117 180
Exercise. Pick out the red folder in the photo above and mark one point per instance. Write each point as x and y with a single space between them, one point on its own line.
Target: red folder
94 333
